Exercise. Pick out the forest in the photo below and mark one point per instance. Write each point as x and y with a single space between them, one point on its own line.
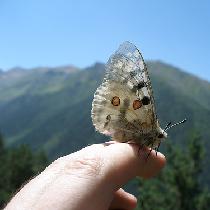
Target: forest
179 185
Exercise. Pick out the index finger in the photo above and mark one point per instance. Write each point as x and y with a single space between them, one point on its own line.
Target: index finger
123 162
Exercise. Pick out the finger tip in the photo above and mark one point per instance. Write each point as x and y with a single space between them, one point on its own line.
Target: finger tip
124 200
161 159
156 161
133 201
126 161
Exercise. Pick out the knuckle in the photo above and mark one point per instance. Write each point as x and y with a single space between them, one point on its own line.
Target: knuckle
80 164
90 164
86 164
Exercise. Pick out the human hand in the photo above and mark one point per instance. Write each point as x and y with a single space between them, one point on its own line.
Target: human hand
89 179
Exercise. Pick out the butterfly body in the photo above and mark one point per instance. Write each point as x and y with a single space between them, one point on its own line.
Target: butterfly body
123 105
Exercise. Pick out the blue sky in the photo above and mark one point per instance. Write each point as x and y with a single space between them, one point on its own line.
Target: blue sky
60 32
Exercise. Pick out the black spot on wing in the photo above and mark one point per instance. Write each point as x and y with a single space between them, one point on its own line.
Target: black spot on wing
145 100
139 86
108 119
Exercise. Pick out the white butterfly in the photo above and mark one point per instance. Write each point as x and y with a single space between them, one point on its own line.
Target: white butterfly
123 106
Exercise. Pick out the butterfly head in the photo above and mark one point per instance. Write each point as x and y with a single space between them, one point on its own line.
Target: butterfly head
161 134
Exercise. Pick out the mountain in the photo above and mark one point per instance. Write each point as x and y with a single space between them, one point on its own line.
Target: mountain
49 108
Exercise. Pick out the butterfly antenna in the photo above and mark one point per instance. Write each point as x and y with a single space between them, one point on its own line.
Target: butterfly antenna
178 123
167 126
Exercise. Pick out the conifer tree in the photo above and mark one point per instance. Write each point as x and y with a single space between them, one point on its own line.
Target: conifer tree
17 166
179 184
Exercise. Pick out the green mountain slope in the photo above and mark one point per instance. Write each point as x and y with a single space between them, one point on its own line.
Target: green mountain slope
50 107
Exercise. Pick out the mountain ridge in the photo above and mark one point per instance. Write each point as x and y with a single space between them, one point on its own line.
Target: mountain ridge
43 107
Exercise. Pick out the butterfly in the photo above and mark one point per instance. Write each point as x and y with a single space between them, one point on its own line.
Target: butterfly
123 106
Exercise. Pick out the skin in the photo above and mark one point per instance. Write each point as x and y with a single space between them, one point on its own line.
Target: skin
89 179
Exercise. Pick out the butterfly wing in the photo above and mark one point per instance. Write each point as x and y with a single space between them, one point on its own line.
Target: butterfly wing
123 106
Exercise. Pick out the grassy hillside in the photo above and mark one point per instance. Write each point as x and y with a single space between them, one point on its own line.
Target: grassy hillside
50 107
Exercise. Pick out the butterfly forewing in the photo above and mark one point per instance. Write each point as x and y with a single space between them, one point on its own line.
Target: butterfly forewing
123 105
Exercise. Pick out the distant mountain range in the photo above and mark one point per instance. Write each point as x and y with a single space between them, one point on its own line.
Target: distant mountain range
49 108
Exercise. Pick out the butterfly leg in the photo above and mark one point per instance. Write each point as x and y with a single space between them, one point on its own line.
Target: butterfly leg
149 153
157 148
141 146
